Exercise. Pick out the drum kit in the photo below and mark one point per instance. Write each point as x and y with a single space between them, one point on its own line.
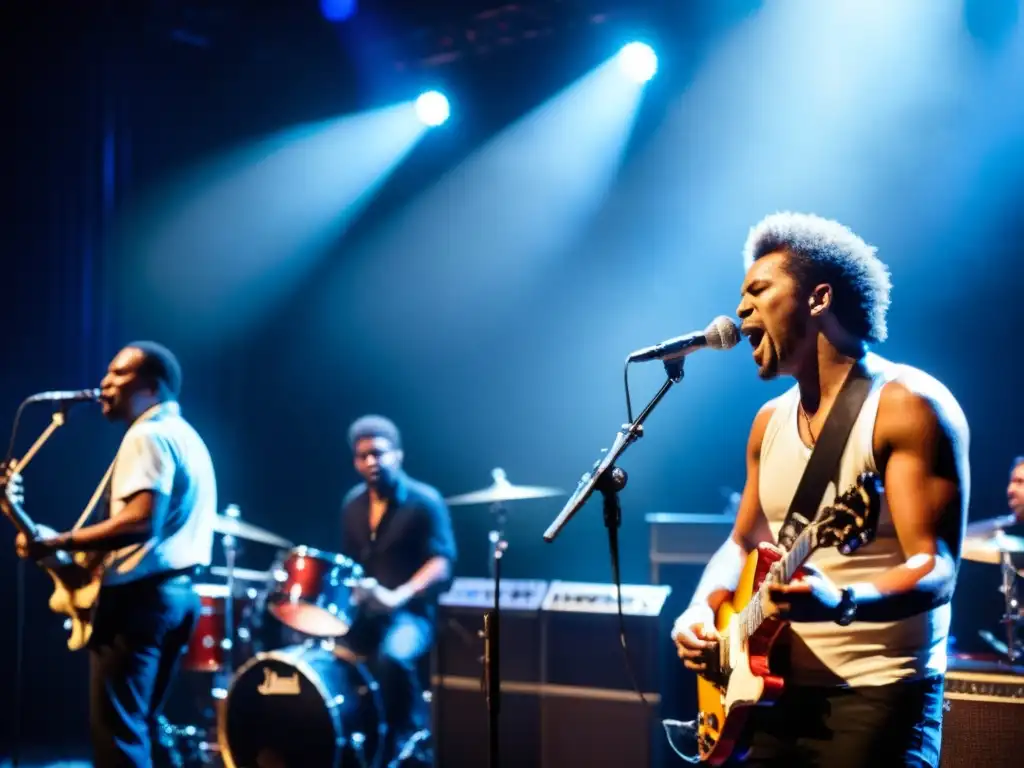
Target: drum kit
987 542
274 690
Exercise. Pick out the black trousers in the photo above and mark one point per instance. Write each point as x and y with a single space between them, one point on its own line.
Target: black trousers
887 726
140 632
394 646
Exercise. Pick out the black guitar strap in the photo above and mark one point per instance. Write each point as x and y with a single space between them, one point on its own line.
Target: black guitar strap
827 452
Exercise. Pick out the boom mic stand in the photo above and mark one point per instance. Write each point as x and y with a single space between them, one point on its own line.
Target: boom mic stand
607 478
57 420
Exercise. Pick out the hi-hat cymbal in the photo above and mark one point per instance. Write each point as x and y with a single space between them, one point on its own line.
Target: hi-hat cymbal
242 574
989 547
502 490
232 526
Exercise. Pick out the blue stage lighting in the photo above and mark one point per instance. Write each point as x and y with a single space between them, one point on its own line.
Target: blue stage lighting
432 108
638 61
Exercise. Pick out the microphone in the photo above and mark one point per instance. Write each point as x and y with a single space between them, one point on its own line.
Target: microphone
722 333
66 396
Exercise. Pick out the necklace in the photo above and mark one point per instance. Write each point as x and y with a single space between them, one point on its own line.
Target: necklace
807 421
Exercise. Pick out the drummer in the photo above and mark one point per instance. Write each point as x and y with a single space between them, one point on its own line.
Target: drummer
1015 501
399 530
1015 491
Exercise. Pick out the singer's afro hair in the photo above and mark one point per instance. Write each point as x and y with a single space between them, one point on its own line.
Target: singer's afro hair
160 366
825 251
374 426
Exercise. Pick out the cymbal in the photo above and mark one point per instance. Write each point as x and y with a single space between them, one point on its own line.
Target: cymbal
988 526
502 490
241 574
232 526
989 547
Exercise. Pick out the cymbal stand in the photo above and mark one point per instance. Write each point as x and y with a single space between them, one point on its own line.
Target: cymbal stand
492 636
1011 615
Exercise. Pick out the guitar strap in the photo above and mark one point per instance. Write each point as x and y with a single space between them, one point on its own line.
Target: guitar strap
102 489
826 454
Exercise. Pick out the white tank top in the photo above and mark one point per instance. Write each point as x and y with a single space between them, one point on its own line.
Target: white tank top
863 653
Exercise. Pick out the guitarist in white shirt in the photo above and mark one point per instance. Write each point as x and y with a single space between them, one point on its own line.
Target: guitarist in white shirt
163 501
865 656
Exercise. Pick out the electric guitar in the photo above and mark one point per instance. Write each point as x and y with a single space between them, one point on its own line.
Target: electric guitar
76 586
740 677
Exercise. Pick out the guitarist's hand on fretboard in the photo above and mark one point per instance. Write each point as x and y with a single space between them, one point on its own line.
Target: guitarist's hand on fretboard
40 548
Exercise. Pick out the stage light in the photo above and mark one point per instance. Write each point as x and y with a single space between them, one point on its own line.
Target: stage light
432 108
638 61
338 10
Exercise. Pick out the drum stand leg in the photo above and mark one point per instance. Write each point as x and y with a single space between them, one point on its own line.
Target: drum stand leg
492 640
1012 607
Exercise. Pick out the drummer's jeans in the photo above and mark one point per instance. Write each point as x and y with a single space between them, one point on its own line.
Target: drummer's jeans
140 633
395 647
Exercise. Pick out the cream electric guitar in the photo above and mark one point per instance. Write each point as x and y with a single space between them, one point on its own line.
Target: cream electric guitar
76 587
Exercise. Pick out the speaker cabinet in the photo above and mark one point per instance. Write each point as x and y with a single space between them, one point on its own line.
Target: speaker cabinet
983 722
591 713
460 712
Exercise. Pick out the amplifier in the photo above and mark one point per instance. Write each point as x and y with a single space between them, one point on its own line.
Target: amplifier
983 722
590 712
459 706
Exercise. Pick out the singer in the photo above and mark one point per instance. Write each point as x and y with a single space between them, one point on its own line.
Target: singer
863 656
162 503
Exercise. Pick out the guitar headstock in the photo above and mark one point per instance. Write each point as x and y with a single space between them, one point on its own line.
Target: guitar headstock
12 488
851 521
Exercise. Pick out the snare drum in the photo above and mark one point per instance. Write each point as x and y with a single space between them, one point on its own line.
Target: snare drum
312 592
302 707
207 649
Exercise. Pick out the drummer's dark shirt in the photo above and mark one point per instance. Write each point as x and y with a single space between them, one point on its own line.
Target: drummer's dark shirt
415 528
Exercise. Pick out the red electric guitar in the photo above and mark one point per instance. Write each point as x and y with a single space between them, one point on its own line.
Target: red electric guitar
739 677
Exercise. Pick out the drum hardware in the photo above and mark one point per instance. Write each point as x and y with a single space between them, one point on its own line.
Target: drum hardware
987 543
496 496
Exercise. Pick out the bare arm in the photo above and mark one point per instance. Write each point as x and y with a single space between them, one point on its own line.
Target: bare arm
722 573
433 572
927 486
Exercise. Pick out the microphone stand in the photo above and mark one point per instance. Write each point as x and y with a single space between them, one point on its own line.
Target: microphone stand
57 420
607 478
492 638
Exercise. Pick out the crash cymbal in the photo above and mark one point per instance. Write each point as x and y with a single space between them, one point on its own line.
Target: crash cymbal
989 547
232 526
502 490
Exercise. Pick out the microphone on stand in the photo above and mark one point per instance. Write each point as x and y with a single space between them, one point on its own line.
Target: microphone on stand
722 333
66 396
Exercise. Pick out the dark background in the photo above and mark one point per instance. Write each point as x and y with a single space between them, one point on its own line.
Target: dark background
107 100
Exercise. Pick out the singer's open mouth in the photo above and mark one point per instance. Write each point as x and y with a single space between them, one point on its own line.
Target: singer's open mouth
754 335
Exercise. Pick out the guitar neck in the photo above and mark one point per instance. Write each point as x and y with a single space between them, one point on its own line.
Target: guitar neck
752 616
19 518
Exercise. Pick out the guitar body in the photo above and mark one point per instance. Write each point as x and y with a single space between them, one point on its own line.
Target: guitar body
76 590
724 698
739 676
76 581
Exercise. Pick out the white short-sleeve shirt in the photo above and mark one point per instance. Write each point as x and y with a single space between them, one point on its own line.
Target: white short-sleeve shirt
161 452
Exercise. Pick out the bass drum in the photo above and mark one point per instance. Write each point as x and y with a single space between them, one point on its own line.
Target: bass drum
302 707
